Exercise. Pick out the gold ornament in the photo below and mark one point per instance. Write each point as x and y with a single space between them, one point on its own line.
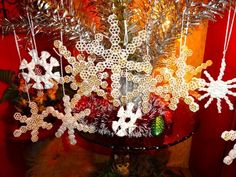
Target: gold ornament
33 123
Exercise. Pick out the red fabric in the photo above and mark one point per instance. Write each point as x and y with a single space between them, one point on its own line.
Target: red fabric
11 156
208 149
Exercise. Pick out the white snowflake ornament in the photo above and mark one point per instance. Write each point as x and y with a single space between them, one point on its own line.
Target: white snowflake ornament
70 120
33 123
218 89
122 127
92 77
177 87
115 58
40 70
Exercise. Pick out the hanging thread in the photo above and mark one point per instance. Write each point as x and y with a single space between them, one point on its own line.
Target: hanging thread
61 66
229 28
182 31
34 45
20 58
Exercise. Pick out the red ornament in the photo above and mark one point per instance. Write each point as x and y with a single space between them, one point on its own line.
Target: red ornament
168 117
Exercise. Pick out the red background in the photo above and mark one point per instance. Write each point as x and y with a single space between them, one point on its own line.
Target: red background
208 149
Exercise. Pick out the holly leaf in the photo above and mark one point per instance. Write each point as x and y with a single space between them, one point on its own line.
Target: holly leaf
6 76
11 93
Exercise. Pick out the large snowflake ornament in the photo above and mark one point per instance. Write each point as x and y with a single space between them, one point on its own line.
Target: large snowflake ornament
218 89
178 87
122 127
33 123
229 136
40 70
84 76
116 58
70 120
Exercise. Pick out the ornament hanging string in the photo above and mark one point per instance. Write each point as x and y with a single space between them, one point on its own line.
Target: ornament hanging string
148 27
34 45
219 89
184 31
61 65
229 28
126 40
20 58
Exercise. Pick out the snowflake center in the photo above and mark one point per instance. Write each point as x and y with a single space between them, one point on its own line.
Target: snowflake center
127 119
218 89
39 70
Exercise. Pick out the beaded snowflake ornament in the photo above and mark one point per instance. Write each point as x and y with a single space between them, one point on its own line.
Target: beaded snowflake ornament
33 122
39 70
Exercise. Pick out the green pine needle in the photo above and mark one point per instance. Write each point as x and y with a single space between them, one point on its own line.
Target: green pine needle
11 93
6 76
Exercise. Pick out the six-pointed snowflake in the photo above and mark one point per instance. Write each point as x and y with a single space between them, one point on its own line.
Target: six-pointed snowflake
85 77
70 120
218 89
122 127
33 123
116 58
40 70
178 87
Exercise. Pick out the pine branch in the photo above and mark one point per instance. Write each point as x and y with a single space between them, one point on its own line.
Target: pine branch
6 76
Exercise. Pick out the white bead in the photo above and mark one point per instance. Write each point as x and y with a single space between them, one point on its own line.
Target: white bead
58 135
68 110
70 132
85 128
235 146
34 138
66 99
232 153
80 127
91 129
60 116
17 133
228 160
223 135
73 142
72 137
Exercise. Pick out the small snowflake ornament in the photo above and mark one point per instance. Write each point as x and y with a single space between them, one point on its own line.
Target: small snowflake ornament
218 89
40 70
70 120
123 127
178 87
33 123
229 136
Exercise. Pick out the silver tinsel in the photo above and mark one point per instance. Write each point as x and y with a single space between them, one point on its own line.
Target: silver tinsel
50 18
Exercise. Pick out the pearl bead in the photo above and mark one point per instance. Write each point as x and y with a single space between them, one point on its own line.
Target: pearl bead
17 133
228 160
232 153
